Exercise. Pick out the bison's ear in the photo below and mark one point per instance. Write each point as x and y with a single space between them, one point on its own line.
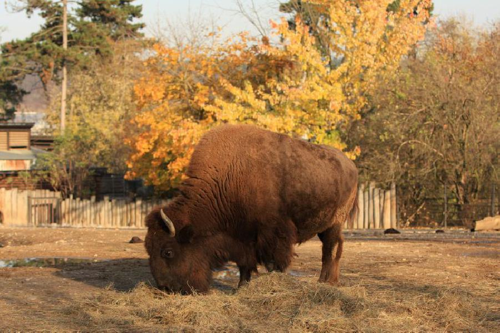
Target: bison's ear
186 235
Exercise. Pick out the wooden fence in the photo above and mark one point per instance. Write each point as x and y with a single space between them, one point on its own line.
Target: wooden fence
377 210
45 208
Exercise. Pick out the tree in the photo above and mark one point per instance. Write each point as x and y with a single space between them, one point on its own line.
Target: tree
10 94
112 18
101 105
316 15
289 87
65 168
91 30
178 81
437 122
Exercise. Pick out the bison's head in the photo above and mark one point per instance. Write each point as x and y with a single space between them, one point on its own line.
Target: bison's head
178 263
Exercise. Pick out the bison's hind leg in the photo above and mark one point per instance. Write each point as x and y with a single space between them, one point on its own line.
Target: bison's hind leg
331 237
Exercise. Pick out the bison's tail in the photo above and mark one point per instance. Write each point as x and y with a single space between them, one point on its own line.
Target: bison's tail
353 213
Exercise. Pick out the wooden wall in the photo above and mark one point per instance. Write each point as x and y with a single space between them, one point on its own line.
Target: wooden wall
45 208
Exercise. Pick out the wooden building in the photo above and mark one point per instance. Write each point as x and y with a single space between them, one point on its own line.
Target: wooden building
17 155
15 147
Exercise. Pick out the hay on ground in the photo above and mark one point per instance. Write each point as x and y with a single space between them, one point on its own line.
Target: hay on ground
277 303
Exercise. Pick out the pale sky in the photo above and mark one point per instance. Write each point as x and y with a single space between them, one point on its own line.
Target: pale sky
483 13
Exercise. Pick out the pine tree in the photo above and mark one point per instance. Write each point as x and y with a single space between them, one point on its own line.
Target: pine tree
92 27
113 18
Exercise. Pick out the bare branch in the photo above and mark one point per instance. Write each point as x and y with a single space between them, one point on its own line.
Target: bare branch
257 16
191 30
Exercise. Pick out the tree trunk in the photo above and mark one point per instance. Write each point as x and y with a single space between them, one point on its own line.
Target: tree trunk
64 69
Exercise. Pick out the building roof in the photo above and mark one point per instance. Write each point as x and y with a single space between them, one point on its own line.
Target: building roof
5 125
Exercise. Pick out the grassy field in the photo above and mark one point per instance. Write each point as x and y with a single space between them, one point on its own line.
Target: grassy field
405 283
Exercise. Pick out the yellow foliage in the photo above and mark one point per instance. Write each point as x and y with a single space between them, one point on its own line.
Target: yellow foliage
100 105
289 87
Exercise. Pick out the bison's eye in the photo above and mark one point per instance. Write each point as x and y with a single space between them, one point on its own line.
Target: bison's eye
167 254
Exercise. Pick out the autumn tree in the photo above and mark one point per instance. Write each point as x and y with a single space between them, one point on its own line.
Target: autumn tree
286 86
100 107
437 123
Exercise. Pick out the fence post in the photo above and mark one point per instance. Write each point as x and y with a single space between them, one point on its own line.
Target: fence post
29 211
445 206
122 208
138 220
93 217
107 212
70 209
361 208
394 216
365 213
492 199
14 211
100 206
387 210
7 207
371 205
63 207
22 206
380 193
376 206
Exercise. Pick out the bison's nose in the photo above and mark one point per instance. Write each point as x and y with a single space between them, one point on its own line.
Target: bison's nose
165 289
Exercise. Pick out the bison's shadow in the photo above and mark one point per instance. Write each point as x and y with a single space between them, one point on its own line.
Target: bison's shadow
121 274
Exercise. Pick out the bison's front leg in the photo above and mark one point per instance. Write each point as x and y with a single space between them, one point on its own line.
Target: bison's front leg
245 275
330 269
247 263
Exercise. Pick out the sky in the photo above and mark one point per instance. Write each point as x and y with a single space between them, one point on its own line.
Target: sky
156 12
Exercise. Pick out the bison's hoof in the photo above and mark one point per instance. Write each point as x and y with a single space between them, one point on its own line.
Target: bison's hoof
330 282
242 283
270 266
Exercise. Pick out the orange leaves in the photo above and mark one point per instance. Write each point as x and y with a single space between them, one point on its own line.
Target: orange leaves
308 85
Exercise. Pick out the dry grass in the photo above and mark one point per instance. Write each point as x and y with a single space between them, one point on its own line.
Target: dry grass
408 283
282 303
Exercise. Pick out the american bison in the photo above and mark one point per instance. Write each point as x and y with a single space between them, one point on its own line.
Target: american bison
249 196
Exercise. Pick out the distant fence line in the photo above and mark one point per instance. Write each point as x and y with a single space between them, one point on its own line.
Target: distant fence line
377 209
46 208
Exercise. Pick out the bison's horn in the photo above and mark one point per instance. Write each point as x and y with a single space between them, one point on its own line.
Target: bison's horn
168 223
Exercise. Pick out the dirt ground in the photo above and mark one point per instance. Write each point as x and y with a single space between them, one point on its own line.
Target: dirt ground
410 282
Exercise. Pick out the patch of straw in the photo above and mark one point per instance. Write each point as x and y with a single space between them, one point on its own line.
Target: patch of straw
278 303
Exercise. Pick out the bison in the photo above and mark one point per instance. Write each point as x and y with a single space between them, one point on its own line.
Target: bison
249 196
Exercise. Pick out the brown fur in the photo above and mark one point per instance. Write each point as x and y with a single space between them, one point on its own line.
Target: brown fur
250 196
